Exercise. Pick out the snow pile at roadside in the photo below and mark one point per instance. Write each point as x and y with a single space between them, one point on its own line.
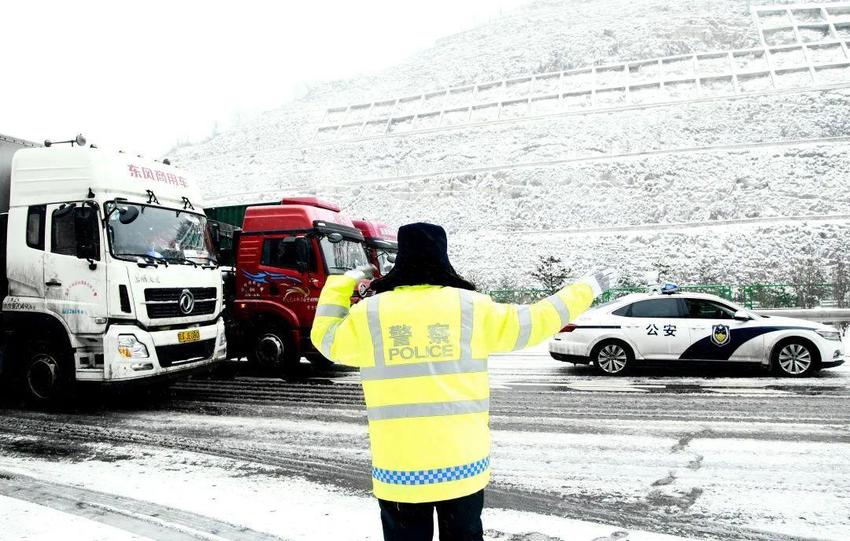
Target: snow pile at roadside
28 521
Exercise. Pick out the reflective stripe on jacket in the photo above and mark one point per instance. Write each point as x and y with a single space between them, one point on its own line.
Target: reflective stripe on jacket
422 353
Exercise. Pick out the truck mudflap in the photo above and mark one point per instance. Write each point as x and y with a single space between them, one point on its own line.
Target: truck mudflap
132 353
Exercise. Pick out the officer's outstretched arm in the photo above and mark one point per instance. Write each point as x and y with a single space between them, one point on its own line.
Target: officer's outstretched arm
512 327
335 329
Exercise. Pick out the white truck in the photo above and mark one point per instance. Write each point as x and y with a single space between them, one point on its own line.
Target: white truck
106 273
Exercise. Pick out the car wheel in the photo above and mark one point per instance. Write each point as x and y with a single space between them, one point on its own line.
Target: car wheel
612 358
795 358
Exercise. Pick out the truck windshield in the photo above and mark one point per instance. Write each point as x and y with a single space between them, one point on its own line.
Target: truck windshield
159 234
384 263
343 255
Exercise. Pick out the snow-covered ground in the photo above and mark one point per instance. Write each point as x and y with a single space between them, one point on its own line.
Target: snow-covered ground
23 520
730 456
243 493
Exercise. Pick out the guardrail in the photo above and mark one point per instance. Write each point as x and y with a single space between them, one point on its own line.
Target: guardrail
802 45
821 315
655 81
824 298
786 24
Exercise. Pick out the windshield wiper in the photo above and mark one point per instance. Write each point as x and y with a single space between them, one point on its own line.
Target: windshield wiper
182 259
147 257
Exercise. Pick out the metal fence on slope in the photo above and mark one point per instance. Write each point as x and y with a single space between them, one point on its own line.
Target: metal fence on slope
802 46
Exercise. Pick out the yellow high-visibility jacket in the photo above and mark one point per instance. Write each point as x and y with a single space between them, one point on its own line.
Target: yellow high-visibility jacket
422 353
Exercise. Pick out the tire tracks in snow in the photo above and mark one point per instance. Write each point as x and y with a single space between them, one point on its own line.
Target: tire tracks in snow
139 517
352 474
666 493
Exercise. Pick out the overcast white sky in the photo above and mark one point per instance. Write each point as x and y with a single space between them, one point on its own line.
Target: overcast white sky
143 75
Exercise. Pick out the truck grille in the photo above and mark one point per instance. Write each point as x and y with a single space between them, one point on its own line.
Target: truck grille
177 353
162 302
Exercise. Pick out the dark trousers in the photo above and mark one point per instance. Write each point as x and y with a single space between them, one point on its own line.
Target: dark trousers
457 520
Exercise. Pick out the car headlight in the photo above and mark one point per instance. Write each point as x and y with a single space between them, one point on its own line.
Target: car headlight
129 347
830 335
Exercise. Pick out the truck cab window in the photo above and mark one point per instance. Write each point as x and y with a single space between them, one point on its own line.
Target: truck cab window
35 227
277 253
74 231
63 239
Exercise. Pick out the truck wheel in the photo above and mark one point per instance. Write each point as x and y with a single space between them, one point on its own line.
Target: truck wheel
47 374
612 358
273 351
795 358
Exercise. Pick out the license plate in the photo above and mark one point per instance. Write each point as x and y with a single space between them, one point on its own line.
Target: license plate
189 336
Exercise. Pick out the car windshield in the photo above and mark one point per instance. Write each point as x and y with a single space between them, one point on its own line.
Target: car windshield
159 234
343 255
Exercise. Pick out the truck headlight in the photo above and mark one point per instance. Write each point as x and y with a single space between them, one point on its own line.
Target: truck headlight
830 335
129 347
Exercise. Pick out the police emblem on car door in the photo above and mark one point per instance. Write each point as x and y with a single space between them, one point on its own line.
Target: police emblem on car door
720 335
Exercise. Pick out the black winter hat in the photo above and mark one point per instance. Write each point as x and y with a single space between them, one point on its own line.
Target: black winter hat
422 258
422 243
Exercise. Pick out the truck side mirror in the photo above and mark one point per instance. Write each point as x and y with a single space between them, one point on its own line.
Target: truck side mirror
335 238
215 234
86 233
127 215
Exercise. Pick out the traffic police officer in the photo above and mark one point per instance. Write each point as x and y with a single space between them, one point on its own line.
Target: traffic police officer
422 345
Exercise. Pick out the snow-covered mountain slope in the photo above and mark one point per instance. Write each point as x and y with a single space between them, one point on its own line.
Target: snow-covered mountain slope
602 186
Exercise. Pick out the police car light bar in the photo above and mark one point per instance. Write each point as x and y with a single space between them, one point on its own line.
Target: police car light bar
669 288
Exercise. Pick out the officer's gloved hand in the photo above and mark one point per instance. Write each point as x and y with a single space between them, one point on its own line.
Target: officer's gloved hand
363 272
601 281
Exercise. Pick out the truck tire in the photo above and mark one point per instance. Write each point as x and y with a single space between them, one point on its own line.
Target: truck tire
47 374
273 351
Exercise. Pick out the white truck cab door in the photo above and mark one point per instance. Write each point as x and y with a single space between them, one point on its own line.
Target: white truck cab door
717 336
25 243
75 286
656 327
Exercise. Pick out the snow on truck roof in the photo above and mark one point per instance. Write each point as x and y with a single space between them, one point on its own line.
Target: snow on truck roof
68 173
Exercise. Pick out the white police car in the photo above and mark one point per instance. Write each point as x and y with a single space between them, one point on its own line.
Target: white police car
693 327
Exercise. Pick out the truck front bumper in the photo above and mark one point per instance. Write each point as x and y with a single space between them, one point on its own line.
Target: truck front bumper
164 354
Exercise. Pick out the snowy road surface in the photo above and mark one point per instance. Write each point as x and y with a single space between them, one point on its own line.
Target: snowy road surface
737 455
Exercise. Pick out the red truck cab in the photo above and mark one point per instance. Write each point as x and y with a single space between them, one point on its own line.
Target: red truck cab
285 254
381 243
